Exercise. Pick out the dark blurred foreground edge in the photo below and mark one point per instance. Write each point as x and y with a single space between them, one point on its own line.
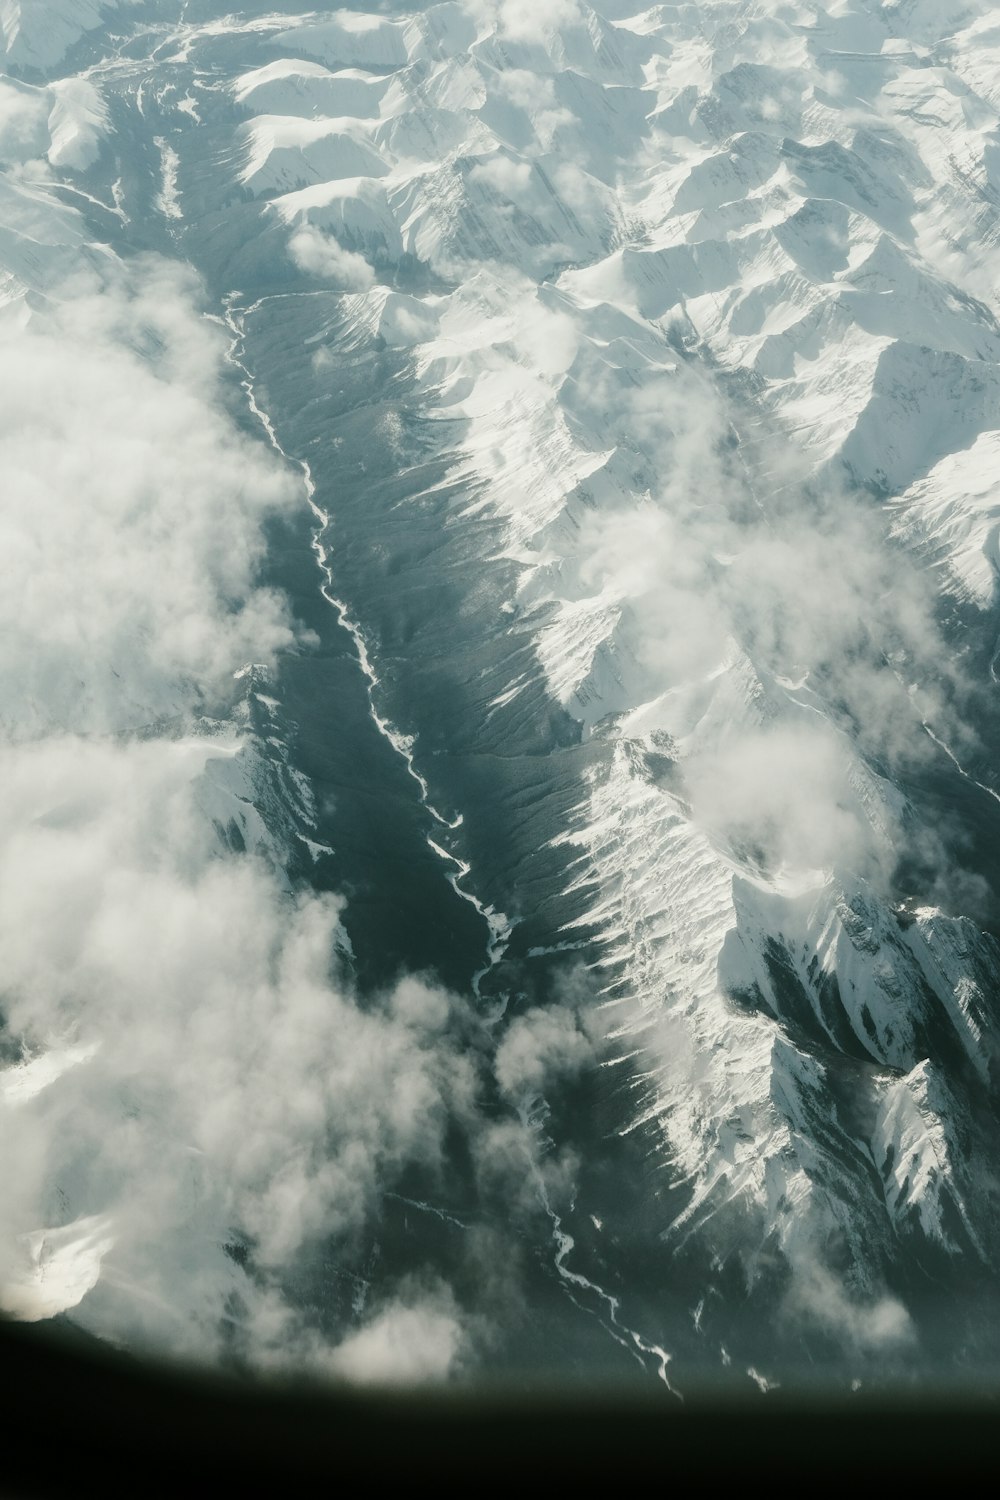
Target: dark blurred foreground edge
76 1414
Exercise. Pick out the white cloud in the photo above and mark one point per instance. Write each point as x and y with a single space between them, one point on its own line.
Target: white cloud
132 524
540 1048
536 96
408 1341
529 21
511 1167
870 1324
406 321
511 179
319 254
196 1071
783 793
223 1079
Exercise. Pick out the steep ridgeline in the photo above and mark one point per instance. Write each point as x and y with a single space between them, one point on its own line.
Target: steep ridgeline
646 367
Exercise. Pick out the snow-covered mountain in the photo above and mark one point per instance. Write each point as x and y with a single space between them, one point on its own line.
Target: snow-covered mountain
615 393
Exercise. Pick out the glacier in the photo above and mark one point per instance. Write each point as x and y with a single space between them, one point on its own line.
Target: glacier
614 396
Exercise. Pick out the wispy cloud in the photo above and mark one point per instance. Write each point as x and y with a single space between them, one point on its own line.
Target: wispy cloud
321 255
764 623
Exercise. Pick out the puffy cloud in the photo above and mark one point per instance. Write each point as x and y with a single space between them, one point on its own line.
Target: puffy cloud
413 1338
132 528
783 795
520 1174
511 179
535 96
526 20
193 1067
870 1325
319 254
541 1047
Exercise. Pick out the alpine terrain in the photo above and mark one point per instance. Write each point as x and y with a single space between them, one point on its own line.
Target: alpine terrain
498 686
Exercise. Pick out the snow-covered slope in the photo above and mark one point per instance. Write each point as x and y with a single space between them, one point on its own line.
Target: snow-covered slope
36 35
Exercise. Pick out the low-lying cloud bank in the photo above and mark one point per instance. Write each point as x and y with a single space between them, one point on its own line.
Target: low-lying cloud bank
192 1069
194 1096
189 1070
